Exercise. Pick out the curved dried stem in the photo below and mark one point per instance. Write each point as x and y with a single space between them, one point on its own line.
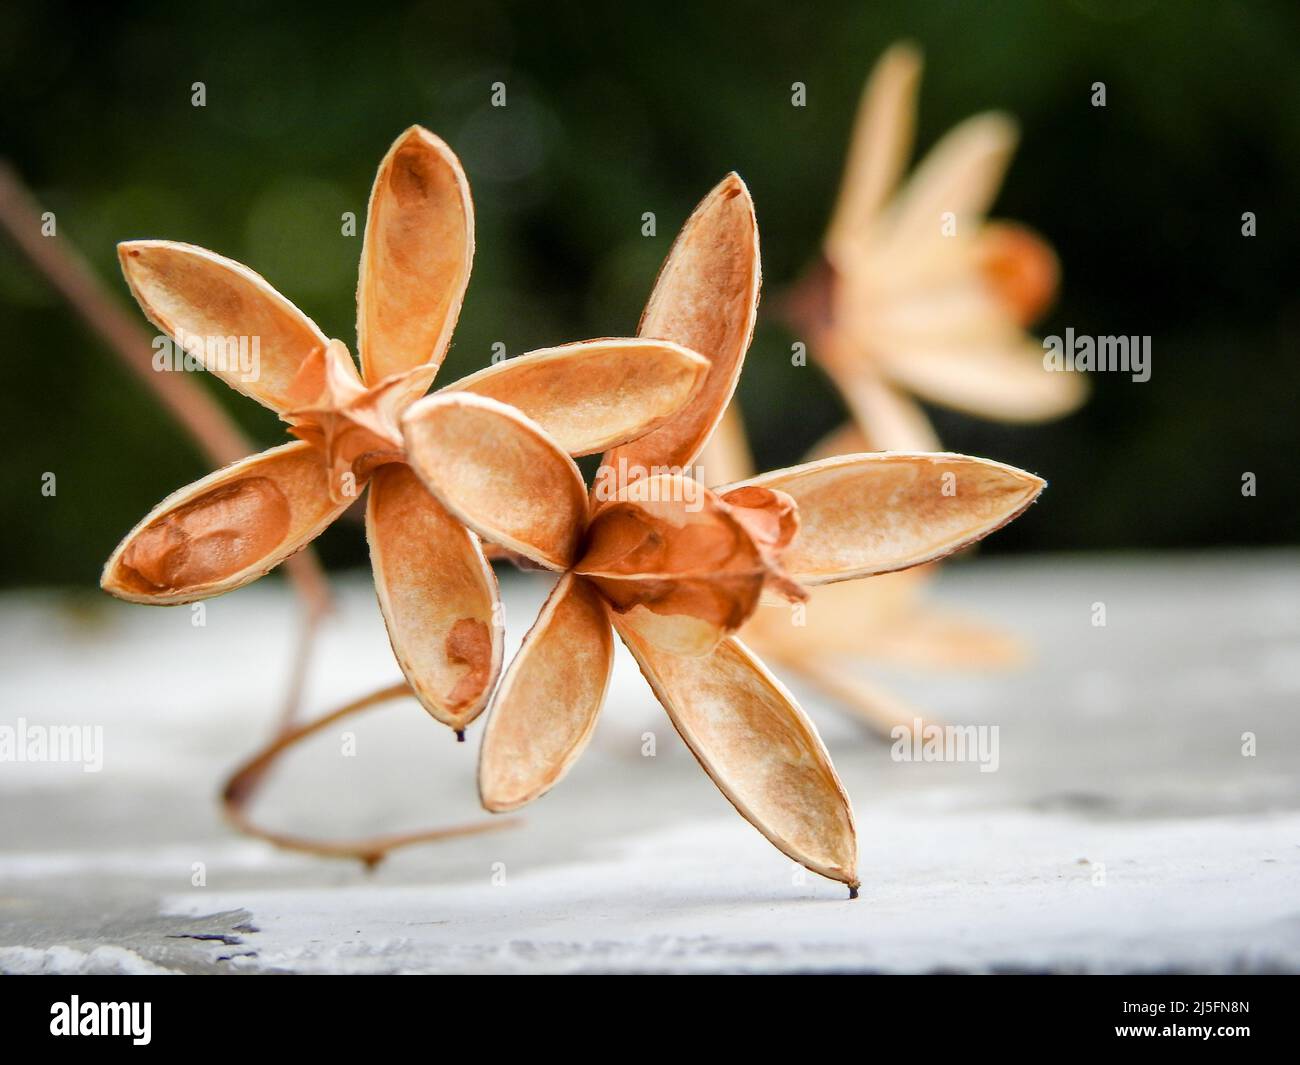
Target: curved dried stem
242 786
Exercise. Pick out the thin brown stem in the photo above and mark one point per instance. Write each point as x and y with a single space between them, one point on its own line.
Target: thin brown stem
308 627
244 783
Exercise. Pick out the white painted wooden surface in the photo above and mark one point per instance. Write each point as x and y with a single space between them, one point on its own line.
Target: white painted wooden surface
1123 830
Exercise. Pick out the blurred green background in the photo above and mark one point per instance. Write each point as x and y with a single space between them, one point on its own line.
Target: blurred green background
616 111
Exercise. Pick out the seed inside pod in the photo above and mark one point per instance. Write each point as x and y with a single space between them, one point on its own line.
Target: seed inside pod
209 539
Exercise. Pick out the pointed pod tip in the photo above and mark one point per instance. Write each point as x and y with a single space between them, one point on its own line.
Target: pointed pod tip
425 137
853 892
496 799
134 249
415 131
111 582
460 735
731 186
128 251
107 581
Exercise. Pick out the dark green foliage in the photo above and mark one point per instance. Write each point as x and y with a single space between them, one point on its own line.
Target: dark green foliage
615 112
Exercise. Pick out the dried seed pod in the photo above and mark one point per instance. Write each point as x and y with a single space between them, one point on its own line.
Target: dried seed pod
546 707
205 301
435 588
499 473
917 292
437 595
594 394
678 567
472 458
675 563
706 299
760 749
866 514
225 530
415 261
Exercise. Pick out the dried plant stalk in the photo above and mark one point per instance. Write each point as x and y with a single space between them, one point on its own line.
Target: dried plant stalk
243 784
55 259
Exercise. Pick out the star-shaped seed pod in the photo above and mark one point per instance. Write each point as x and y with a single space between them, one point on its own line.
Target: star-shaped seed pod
676 568
916 293
437 593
